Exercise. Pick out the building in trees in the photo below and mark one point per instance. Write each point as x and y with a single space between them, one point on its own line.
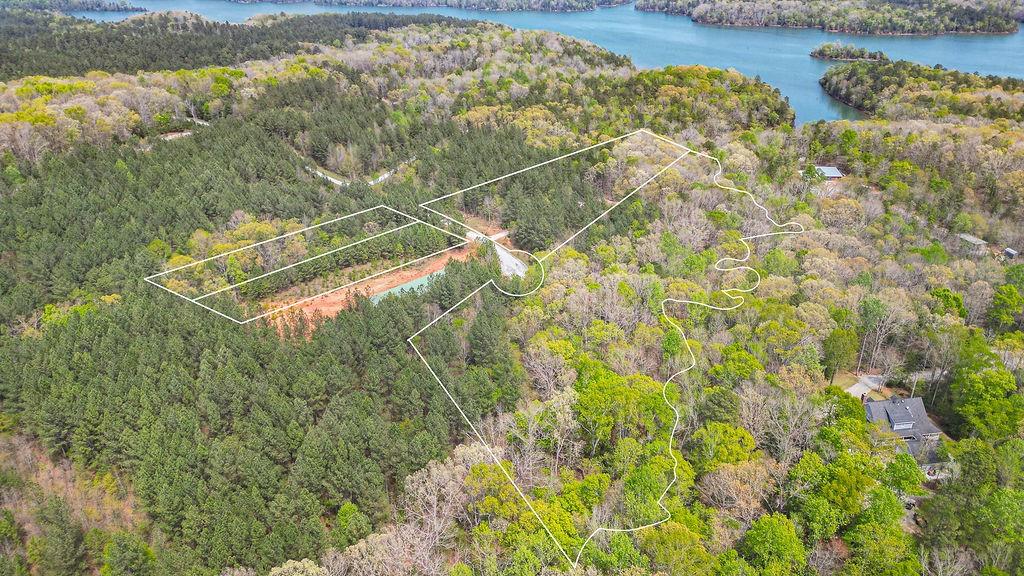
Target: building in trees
973 244
829 172
908 419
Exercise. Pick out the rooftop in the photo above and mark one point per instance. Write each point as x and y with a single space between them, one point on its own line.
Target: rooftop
829 171
907 418
972 239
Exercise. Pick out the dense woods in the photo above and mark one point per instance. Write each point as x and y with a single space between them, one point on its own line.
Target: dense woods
905 89
134 198
239 443
945 141
548 5
174 442
341 125
167 41
74 5
860 16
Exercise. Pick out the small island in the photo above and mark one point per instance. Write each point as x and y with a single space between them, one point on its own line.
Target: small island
846 53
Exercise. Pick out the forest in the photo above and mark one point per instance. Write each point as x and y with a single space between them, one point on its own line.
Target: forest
896 17
857 16
74 5
144 436
166 41
953 131
901 88
545 5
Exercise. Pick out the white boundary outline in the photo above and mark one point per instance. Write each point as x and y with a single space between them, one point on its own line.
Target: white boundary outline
736 295
412 221
426 205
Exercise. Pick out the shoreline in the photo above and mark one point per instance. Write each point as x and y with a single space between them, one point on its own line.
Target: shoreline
437 5
833 30
867 114
848 59
432 5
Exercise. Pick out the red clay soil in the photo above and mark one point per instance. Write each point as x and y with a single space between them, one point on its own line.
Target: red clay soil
328 306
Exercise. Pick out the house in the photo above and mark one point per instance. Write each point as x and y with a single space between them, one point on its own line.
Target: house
829 172
1010 253
907 418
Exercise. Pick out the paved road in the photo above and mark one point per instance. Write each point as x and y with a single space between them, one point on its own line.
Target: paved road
510 265
866 384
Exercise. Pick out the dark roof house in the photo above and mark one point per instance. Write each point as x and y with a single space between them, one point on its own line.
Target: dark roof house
907 418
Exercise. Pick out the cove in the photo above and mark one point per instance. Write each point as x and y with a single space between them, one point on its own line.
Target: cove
778 56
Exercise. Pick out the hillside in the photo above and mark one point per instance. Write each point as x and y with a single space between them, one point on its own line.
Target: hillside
904 89
960 132
506 5
664 393
30 44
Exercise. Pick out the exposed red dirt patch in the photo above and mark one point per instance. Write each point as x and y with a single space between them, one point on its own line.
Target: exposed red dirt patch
328 306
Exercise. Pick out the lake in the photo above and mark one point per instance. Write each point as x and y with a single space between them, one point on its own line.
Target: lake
778 56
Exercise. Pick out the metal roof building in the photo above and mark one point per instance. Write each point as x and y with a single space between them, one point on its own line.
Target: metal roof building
972 239
830 172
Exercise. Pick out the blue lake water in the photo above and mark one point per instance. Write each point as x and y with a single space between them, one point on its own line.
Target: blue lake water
778 56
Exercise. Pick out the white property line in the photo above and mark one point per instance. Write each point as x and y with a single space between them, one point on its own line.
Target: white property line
413 220
333 290
614 206
262 242
426 205
306 261
734 294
